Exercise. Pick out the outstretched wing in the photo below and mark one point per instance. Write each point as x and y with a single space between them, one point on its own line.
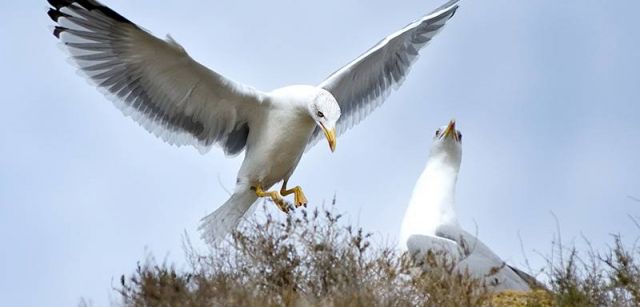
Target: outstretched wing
155 81
362 85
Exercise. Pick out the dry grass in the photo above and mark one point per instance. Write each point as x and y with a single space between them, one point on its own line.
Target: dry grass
610 278
311 258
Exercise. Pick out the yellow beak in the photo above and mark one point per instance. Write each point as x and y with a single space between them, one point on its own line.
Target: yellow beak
331 137
450 131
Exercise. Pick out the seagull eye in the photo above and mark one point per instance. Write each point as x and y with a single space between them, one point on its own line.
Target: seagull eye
459 136
437 132
320 114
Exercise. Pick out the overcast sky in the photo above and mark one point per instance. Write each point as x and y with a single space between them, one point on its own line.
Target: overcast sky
545 94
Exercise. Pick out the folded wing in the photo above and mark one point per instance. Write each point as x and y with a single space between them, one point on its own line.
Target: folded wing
362 85
155 81
472 256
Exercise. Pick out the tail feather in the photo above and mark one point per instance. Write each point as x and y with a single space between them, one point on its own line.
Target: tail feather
217 225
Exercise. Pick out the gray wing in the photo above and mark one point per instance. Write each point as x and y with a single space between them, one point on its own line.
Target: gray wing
155 81
418 245
467 241
363 84
482 262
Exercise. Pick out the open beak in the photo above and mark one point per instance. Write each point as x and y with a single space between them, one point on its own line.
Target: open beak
331 137
450 131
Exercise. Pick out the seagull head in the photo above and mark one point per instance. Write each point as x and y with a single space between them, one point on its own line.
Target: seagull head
325 111
447 146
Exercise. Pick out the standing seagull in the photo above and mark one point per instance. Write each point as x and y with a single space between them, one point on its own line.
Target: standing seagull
430 222
174 97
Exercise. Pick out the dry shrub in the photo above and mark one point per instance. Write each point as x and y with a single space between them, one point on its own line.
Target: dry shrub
310 258
610 278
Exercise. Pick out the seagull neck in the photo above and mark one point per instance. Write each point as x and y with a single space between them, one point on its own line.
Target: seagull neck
299 107
434 197
441 181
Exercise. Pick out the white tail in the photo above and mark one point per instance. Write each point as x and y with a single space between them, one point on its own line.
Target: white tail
224 220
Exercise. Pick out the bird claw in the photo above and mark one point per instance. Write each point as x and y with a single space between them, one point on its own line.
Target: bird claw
283 205
275 197
301 200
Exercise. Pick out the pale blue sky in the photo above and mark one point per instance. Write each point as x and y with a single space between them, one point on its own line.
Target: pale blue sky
544 93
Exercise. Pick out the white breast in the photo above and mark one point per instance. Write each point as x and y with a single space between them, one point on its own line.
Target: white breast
274 153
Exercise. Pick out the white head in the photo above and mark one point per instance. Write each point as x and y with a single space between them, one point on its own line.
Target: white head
320 105
447 146
325 111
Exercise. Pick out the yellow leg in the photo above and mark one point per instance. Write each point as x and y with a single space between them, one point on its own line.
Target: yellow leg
298 195
275 197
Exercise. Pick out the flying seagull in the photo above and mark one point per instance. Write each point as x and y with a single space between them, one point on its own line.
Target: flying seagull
430 222
179 100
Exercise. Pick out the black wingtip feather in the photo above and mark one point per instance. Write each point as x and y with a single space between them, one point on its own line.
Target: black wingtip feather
55 14
58 30
90 5
451 6
453 13
59 3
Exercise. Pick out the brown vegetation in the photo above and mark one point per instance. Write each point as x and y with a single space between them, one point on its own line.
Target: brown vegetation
311 259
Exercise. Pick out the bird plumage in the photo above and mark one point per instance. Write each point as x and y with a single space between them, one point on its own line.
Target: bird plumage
225 219
470 255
